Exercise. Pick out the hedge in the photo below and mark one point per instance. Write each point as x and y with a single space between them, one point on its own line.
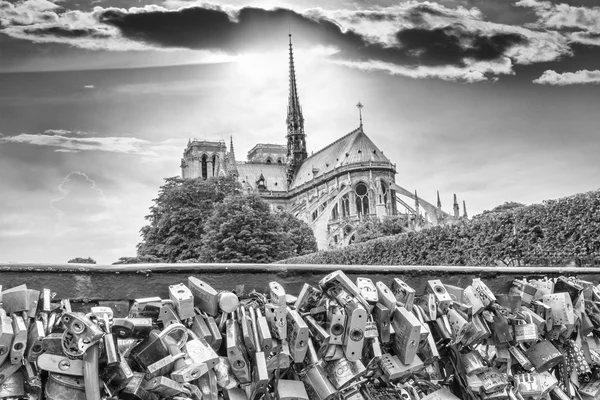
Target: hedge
551 233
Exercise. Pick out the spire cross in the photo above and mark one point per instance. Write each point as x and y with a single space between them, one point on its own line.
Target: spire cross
360 107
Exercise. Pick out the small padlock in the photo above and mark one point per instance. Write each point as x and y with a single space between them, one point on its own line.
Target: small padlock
35 335
297 335
405 295
153 348
315 378
136 328
367 289
473 362
308 298
210 300
381 316
290 390
543 355
385 296
408 334
183 299
343 370
64 387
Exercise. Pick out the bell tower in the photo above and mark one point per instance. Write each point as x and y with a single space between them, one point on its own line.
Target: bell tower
296 138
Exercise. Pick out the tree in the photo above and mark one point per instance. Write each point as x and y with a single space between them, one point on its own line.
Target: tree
242 229
298 233
507 206
147 259
388 226
178 216
81 260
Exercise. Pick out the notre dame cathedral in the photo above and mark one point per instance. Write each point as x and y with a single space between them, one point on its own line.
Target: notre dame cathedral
347 183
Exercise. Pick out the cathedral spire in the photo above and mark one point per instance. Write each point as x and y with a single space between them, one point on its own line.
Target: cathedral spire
296 139
232 164
456 209
465 210
439 202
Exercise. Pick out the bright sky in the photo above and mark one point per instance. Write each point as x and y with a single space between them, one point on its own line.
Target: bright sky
492 100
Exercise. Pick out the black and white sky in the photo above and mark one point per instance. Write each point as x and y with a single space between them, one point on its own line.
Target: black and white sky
492 100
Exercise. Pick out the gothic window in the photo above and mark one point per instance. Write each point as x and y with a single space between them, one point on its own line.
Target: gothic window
345 205
279 161
352 239
214 166
385 196
362 199
269 161
204 167
315 214
335 239
335 213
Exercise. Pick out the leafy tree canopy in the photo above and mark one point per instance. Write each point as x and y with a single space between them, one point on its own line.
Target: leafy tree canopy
81 260
242 229
178 215
507 206
138 260
388 226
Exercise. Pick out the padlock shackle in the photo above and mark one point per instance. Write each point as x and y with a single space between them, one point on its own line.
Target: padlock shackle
174 327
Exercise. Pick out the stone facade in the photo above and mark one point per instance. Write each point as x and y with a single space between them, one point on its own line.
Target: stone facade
347 183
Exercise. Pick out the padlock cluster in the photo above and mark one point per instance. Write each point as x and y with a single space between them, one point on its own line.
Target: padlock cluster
337 340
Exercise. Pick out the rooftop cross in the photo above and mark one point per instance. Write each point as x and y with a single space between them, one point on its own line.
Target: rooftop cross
360 107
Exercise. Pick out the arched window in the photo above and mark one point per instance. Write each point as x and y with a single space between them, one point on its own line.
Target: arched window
269 161
385 195
214 165
335 212
279 161
362 199
204 167
345 205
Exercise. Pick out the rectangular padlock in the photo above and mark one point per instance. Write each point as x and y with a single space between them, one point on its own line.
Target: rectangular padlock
135 389
472 300
340 280
35 335
521 359
569 286
336 325
381 315
456 293
405 295
85 333
441 394
6 335
167 314
19 344
372 350
183 299
317 383
264 334
354 335
200 328
318 333
297 335
590 389
291 390
16 299
246 325
483 292
385 295
526 332
458 324
309 297
542 286
164 366
276 317
116 377
200 352
342 371
442 297
236 393
524 289
395 369
408 334
561 308
529 385
208 386
367 289
428 350
236 352
210 300
136 328
165 387
277 294
493 380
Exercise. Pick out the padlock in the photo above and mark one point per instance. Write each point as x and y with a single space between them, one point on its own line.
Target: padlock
427 349
200 328
354 335
116 377
165 387
442 297
367 289
404 294
521 358
524 290
236 352
280 356
235 393
308 298
434 372
297 335
183 299
290 390
471 299
167 314
211 301
372 350
569 286
509 301
264 334
277 294
315 377
80 333
164 366
503 332
385 295
473 362
225 378
441 394
199 351
208 386
35 335
483 292
317 332
126 328
60 364
343 371
19 344
558 394
561 308
543 355
336 325
381 316
64 387
394 368
492 380
276 317
246 325
187 369
147 307
6 336
591 389
153 348
408 334
338 279
526 332
332 353
16 299
135 389
215 330
7 370
458 324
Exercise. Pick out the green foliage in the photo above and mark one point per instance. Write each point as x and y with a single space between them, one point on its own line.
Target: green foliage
242 229
298 233
138 260
388 226
509 205
81 260
178 216
549 233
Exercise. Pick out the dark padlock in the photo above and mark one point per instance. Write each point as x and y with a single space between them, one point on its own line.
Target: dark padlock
64 387
116 377
136 328
153 348
135 389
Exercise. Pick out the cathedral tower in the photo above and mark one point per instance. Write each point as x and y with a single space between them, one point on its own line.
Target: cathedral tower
296 138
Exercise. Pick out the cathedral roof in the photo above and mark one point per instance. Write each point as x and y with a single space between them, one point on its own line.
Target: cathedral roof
274 174
353 148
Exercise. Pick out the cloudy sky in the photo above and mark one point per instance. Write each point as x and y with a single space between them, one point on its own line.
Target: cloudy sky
492 100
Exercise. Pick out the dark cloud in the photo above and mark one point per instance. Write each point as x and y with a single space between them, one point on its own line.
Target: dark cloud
71 33
202 28
451 45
